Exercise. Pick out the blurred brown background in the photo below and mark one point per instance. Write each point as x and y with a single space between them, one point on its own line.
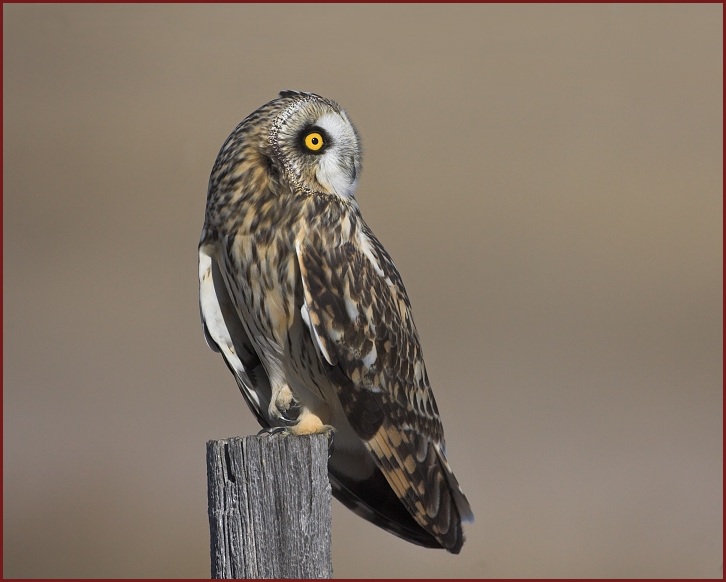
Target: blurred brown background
549 182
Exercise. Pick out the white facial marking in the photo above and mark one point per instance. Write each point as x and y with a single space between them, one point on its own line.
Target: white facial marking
338 166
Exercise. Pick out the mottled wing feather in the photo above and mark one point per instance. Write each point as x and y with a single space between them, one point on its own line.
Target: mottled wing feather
361 315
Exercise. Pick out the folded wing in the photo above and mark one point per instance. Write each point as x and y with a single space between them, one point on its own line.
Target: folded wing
361 321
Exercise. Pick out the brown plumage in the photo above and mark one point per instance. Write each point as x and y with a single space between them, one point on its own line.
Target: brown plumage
312 317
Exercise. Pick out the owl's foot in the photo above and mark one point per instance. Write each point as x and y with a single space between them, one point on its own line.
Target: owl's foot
285 407
309 423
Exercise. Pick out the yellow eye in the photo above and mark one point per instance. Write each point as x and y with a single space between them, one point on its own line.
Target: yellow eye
314 141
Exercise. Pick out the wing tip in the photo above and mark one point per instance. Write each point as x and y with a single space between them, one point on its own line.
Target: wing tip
374 500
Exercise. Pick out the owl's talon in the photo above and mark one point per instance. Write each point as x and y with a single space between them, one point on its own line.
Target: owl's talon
291 414
273 430
285 407
284 418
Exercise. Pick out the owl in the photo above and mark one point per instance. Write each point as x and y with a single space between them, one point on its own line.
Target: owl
313 320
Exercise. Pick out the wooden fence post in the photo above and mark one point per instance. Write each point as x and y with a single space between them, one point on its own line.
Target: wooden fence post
269 507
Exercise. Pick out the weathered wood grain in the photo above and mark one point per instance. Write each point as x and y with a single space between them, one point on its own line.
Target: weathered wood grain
269 507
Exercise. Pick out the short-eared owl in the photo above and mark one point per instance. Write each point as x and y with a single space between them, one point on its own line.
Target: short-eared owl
312 317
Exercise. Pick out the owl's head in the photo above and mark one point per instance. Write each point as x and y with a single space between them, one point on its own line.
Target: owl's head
315 143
